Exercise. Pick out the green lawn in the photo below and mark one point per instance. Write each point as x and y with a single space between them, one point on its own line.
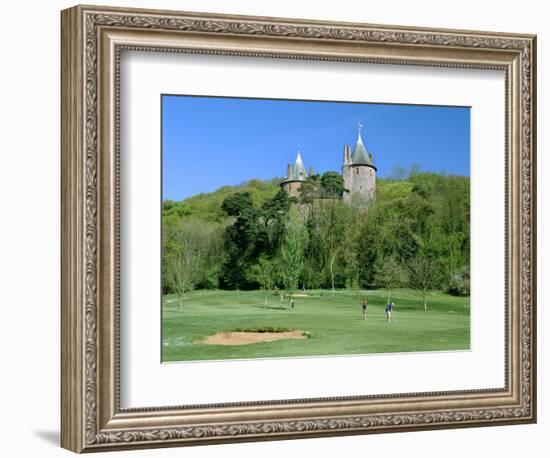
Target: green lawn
335 322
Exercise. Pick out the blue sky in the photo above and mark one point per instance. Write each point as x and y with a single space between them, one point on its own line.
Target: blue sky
209 142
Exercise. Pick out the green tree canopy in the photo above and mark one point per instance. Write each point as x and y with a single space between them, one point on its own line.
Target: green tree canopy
332 184
415 215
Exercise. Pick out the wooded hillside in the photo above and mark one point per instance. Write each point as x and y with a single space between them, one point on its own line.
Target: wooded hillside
416 233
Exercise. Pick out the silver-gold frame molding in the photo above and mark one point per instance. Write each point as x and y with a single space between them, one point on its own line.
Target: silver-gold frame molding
92 40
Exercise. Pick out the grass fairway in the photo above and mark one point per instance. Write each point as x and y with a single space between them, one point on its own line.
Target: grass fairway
335 323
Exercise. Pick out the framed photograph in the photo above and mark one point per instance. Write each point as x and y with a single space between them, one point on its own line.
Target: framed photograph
278 228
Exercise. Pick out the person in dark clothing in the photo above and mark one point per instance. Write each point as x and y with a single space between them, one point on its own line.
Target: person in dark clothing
389 311
364 306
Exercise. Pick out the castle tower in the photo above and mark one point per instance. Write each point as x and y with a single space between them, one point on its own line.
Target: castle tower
295 175
358 171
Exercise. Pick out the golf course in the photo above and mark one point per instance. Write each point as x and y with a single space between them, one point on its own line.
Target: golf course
321 322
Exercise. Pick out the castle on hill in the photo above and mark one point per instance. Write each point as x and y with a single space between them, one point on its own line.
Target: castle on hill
358 173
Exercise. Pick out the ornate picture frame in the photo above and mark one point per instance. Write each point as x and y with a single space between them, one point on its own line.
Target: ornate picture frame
92 41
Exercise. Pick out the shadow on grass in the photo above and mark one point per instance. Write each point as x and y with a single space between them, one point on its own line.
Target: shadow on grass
271 307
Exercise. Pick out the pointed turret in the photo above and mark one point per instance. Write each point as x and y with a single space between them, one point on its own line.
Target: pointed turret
360 155
296 173
358 172
347 155
300 172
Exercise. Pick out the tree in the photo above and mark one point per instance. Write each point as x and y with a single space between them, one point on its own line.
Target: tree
332 185
348 251
460 283
334 219
398 173
241 239
329 185
256 232
310 189
271 220
237 204
264 272
331 222
422 275
292 251
415 214
337 222
188 244
388 274
368 245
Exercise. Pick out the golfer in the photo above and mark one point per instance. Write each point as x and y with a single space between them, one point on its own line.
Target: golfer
364 306
389 311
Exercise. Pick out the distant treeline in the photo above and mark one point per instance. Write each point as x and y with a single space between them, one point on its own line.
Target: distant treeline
416 233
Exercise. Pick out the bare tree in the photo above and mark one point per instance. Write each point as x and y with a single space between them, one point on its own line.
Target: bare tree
388 274
333 218
189 244
292 251
264 274
422 275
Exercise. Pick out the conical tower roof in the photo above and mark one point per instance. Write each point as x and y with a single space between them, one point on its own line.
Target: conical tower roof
298 170
360 155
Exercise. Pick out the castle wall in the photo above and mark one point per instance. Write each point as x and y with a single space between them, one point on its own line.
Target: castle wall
347 175
292 188
360 181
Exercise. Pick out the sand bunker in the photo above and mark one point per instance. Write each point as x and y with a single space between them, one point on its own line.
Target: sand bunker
244 338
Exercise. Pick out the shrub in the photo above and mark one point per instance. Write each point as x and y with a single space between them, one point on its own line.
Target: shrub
460 283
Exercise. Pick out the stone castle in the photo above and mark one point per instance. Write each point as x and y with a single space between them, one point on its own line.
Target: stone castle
358 173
